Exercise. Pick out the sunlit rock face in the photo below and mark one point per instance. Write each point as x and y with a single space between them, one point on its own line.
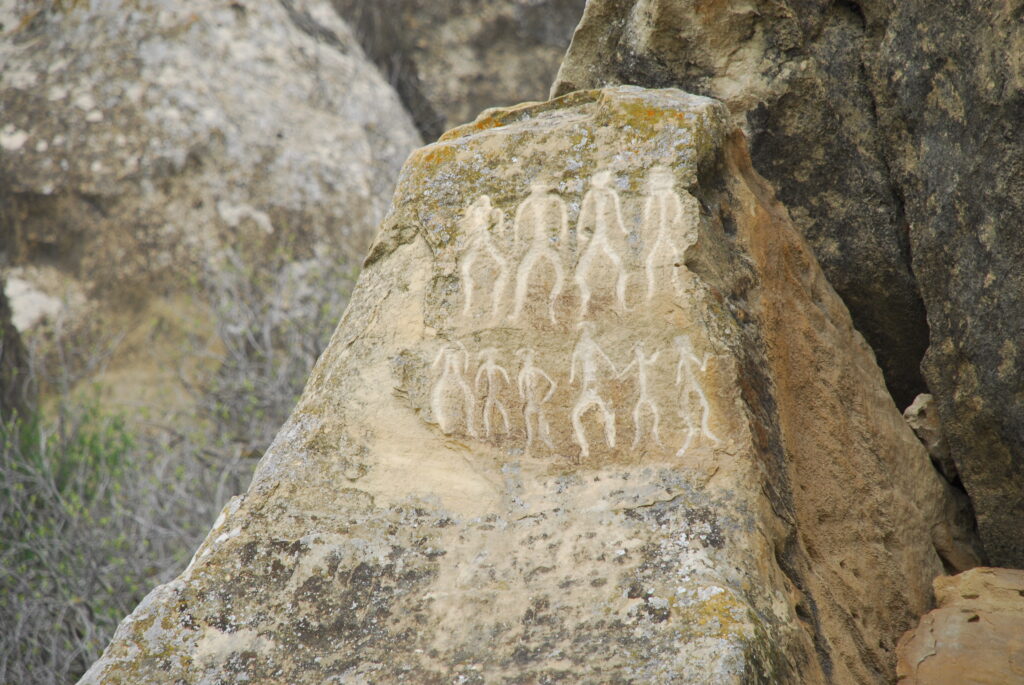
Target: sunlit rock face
975 635
593 415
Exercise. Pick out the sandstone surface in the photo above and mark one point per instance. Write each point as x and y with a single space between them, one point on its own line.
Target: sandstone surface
923 419
891 130
144 146
974 637
450 59
593 415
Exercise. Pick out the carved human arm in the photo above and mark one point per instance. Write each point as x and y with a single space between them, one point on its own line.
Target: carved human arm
551 386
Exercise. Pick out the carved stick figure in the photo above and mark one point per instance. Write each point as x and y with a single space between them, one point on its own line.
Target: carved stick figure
589 356
530 391
693 368
451 388
490 371
600 208
543 223
643 364
665 217
478 225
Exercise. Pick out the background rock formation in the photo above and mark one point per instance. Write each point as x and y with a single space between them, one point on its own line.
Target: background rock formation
187 189
891 130
450 59
146 148
476 482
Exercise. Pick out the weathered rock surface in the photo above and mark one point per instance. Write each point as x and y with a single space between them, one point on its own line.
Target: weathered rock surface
140 145
595 415
891 130
923 419
974 637
450 59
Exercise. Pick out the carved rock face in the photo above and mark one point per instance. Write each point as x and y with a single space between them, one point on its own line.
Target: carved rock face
593 414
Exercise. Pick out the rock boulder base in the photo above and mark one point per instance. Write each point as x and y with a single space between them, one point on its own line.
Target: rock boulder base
976 635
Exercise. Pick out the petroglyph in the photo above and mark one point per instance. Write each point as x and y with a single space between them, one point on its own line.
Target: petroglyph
536 388
689 372
564 388
491 375
667 217
451 399
482 225
600 213
644 363
542 223
589 357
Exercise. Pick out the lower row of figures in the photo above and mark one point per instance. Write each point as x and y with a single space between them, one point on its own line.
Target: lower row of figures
530 406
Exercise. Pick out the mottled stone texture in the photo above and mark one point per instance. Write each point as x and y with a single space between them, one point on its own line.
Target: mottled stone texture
593 415
450 59
892 131
146 145
976 635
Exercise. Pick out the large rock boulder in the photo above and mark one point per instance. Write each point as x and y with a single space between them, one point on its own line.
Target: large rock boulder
450 59
891 130
143 146
976 635
594 414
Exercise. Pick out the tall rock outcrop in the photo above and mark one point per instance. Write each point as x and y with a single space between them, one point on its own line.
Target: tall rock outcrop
891 130
593 414
449 59
144 144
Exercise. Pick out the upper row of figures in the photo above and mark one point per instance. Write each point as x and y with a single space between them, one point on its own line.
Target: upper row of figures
539 237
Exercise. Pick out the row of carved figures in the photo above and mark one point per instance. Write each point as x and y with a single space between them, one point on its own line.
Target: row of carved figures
539 236
535 388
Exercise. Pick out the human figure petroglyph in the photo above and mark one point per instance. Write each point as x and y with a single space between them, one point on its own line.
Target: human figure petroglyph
479 225
589 357
643 363
451 388
491 374
689 371
542 223
600 212
667 218
531 381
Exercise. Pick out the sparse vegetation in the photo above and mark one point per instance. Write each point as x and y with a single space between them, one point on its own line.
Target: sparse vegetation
98 506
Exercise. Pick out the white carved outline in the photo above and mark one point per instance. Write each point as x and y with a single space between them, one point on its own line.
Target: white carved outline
454 356
528 382
643 364
600 201
694 368
490 371
535 218
665 216
476 225
588 355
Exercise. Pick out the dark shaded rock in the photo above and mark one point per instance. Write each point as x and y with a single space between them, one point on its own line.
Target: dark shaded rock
892 131
16 386
449 59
